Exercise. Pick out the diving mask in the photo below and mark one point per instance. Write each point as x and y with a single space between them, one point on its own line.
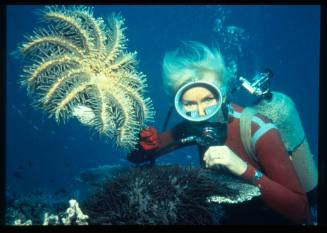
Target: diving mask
194 115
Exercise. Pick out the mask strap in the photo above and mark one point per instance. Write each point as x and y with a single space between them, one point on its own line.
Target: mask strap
225 110
222 115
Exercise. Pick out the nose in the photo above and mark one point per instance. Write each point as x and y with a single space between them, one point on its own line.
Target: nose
201 110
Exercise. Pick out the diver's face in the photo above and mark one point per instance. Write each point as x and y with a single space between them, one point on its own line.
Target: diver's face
198 99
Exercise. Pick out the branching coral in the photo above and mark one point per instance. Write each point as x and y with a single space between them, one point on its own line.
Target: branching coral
74 214
161 195
79 67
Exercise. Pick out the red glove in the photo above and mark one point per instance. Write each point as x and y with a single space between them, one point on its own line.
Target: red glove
149 139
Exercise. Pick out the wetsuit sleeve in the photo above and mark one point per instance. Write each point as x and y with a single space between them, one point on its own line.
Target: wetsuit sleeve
280 187
169 141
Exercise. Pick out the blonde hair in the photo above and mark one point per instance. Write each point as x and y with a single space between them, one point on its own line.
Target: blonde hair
189 63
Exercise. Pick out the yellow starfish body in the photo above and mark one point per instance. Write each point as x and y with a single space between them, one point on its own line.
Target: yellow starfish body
79 67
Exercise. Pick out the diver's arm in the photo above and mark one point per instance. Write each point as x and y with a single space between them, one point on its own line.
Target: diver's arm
166 142
142 154
280 187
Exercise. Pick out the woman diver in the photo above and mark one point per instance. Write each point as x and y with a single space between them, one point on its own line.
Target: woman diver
196 76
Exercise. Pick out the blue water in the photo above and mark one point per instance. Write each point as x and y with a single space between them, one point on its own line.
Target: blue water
44 154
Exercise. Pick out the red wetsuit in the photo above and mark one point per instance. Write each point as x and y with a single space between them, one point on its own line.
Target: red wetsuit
280 187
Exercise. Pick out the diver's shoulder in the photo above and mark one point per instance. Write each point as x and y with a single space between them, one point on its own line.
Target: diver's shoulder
263 118
236 111
235 107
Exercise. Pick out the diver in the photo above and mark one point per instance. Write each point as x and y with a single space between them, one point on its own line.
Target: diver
196 77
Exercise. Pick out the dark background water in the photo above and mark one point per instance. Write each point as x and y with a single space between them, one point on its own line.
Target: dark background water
42 154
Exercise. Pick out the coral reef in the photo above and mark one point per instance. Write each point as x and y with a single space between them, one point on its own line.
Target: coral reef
163 195
31 207
51 219
74 214
18 222
97 176
42 208
78 66
245 192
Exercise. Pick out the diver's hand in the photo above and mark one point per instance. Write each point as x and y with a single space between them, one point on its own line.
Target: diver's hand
149 139
222 155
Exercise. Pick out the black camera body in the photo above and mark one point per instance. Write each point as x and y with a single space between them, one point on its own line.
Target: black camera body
205 133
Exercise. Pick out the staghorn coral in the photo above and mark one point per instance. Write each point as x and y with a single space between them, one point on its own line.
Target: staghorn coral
161 195
78 66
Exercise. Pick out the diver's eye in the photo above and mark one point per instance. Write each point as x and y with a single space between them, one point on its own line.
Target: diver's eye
209 100
189 104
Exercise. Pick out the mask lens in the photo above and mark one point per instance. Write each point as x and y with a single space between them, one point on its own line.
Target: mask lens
194 115
210 109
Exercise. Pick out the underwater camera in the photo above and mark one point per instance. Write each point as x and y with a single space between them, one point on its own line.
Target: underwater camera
259 85
205 133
